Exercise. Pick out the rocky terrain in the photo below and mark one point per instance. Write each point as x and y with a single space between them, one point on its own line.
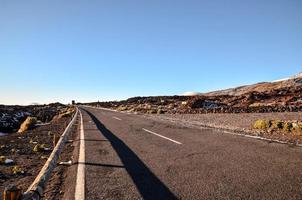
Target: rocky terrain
22 154
277 96
11 117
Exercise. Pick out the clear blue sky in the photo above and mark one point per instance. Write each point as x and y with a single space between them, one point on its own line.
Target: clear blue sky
60 50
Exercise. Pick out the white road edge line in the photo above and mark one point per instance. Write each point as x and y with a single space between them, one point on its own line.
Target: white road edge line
117 118
161 136
80 182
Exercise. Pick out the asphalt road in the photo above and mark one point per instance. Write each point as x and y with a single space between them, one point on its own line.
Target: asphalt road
130 157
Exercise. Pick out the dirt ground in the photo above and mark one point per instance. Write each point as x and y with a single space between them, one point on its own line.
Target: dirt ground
19 147
57 185
241 122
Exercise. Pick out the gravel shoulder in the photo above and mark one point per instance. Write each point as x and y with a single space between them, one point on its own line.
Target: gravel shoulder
240 123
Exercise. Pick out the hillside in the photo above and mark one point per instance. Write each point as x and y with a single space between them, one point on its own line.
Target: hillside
277 96
264 87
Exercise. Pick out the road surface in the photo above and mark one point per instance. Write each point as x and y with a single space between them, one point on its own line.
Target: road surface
128 156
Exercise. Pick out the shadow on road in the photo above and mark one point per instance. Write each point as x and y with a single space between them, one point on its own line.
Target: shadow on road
148 185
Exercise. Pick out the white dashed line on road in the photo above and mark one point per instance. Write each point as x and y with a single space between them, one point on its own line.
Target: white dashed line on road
117 118
161 136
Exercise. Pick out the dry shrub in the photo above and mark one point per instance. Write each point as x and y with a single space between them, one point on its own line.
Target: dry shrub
152 111
288 126
17 170
261 124
2 159
65 113
297 129
39 147
29 123
277 124
122 108
160 111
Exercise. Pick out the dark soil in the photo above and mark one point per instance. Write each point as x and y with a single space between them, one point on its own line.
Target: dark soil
57 186
19 147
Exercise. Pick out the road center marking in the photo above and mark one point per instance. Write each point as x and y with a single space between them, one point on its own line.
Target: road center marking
117 118
161 136
80 182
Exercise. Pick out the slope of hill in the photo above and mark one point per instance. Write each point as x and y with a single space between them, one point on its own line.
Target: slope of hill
278 96
263 87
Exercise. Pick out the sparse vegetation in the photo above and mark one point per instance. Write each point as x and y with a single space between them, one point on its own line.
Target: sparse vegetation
20 158
277 124
288 127
17 170
29 123
265 97
160 111
297 128
2 159
262 124
67 112
40 147
121 108
152 111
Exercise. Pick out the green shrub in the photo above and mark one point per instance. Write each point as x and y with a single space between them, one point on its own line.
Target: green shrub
261 124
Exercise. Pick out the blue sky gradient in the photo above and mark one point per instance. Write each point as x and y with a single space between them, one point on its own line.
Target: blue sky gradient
106 50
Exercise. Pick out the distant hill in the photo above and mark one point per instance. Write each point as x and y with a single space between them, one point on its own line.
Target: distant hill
276 96
264 87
